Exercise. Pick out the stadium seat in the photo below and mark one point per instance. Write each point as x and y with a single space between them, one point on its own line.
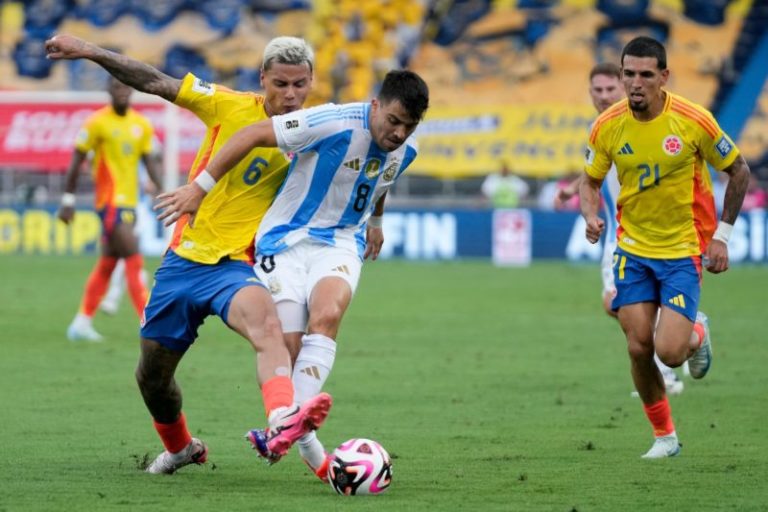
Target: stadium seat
30 58
42 17
181 59
221 15
707 12
156 14
101 13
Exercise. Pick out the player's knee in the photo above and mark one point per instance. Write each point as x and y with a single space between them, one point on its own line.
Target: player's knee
325 320
639 351
670 356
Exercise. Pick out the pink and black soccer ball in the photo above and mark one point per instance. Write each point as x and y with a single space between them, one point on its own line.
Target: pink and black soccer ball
358 467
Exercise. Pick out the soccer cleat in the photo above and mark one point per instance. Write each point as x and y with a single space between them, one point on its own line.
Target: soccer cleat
672 385
288 426
701 360
167 463
79 331
664 446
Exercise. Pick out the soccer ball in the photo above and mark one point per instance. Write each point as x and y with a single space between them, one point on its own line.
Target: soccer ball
360 466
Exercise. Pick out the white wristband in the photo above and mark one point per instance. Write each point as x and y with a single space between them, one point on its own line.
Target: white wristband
375 221
68 199
723 232
205 180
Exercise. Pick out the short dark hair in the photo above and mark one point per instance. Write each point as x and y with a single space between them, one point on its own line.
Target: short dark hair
605 68
645 46
409 89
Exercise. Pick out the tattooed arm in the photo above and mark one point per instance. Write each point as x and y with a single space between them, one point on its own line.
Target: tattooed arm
138 75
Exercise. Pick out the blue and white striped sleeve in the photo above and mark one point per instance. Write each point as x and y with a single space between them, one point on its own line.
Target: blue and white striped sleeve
300 130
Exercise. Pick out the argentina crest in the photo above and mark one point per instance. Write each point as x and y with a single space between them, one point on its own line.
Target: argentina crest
391 170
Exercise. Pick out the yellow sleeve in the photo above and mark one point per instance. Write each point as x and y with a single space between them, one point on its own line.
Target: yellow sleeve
88 135
597 161
199 97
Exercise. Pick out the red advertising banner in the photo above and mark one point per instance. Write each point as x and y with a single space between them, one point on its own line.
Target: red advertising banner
38 135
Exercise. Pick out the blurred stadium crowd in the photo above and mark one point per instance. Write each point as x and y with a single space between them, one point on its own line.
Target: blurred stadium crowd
474 53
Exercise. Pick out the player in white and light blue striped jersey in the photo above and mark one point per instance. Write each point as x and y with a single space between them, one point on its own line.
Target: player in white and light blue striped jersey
337 175
326 218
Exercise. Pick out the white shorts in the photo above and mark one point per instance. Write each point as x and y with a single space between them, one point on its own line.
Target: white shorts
606 267
292 275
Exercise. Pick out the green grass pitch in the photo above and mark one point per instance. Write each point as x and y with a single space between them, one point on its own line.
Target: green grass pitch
493 389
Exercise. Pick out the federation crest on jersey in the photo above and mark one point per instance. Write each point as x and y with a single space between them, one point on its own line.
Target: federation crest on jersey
136 131
203 87
672 145
391 170
589 156
724 146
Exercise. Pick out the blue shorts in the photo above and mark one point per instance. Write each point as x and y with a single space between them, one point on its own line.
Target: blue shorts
112 216
673 283
185 293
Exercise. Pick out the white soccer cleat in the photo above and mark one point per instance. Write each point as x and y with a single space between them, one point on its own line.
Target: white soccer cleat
701 360
167 463
673 385
664 446
80 330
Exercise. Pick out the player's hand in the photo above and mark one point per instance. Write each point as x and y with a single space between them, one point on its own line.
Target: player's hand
66 214
182 201
67 47
374 239
716 257
595 226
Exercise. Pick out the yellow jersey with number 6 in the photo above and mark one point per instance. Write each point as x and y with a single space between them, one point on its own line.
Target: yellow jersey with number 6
666 207
229 216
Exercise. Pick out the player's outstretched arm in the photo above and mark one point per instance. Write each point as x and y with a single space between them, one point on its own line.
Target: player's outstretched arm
138 75
589 190
716 254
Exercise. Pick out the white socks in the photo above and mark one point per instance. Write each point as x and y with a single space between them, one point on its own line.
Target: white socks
313 365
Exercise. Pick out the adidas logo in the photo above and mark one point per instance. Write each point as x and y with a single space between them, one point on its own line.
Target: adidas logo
626 149
678 301
312 371
341 268
353 164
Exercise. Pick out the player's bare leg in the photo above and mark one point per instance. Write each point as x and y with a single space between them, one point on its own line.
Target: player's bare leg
680 340
162 396
637 321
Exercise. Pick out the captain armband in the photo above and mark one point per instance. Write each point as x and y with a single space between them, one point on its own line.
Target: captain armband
375 221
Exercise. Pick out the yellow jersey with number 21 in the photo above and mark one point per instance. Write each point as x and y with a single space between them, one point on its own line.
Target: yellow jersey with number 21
666 207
